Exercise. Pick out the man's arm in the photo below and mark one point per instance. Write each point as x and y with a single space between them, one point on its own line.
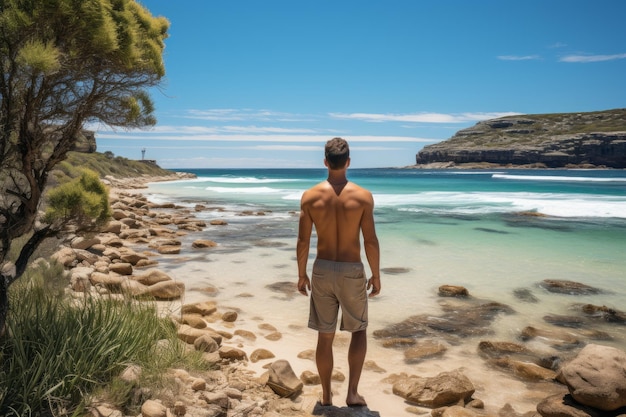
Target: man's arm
305 228
372 249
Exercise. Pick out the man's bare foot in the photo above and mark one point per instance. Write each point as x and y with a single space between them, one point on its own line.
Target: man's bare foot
355 401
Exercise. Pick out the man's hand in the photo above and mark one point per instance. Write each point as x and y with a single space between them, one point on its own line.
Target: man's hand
374 284
304 284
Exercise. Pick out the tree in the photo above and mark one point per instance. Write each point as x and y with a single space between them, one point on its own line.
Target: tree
64 63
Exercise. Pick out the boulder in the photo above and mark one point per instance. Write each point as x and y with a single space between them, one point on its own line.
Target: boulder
132 257
153 408
166 290
80 242
205 343
122 268
169 249
232 353
567 287
282 380
153 276
424 349
447 388
205 308
597 377
565 406
260 354
453 291
203 243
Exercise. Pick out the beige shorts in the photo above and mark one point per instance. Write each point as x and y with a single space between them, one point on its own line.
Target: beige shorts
335 284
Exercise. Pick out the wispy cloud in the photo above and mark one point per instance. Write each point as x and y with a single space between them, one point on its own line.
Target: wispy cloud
591 58
421 117
557 45
519 57
225 115
143 135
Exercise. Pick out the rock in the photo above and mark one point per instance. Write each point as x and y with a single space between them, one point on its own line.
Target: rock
194 320
445 389
132 373
229 316
179 409
526 371
564 321
153 276
288 288
399 342
121 268
597 377
153 408
282 380
189 334
498 349
567 287
370 365
218 398
114 226
205 343
168 250
274 336
111 281
80 242
525 295
557 338
246 334
310 378
217 222
203 243
609 315
458 411
424 349
83 255
260 354
166 290
565 406
198 384
132 257
232 354
205 308
133 288
453 291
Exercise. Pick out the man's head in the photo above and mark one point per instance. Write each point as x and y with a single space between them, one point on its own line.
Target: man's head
337 153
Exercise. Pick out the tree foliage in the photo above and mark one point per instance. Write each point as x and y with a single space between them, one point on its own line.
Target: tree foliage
65 63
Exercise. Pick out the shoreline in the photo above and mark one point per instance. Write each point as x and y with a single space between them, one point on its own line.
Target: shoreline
306 401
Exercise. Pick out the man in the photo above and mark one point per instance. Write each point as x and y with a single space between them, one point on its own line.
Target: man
340 211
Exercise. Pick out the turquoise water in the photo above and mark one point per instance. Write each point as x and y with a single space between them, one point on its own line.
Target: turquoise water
493 232
480 229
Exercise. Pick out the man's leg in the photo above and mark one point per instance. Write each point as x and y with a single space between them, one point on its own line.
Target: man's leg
324 360
356 358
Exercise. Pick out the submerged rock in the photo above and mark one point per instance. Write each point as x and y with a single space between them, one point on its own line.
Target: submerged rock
568 287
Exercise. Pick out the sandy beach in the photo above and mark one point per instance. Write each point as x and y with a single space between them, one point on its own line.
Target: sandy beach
258 284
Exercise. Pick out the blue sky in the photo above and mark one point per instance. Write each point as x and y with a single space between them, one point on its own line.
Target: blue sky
265 83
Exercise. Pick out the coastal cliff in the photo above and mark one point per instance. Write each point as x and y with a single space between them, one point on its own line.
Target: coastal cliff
564 140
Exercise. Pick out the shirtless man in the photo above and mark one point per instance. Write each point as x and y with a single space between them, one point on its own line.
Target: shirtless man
340 211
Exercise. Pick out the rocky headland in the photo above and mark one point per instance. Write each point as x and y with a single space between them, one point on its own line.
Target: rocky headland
565 140
585 378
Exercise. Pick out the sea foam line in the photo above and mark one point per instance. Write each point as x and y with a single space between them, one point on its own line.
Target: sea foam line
555 178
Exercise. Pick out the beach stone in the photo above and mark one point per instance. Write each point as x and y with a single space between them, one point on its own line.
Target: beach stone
153 276
567 287
526 371
194 320
597 377
447 388
525 295
112 254
133 288
121 268
288 288
609 315
268 327
166 290
153 408
565 406
458 411
453 291
189 334
65 256
179 408
204 308
142 263
274 336
493 349
370 365
113 242
307 354
282 380
111 281
132 373
218 398
169 250
310 378
229 316
424 349
205 343
80 242
395 270
203 243
106 410
260 354
113 226
132 257
557 338
246 334
217 222
399 342
563 321
232 353
83 255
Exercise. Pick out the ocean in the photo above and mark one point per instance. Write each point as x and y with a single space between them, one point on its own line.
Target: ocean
495 232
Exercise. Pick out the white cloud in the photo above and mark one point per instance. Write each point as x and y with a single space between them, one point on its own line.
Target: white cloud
224 115
591 58
421 117
177 136
519 57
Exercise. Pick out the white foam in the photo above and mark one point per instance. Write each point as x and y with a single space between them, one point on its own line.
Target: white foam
556 178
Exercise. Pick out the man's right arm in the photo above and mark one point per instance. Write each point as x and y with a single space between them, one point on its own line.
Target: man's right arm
371 246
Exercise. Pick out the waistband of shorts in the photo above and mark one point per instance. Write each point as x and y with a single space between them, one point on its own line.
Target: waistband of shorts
338 266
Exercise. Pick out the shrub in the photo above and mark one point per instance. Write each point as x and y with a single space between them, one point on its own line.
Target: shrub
82 200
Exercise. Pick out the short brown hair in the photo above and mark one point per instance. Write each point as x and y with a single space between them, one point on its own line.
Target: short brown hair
337 153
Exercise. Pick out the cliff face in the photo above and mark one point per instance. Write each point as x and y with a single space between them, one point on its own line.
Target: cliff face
596 139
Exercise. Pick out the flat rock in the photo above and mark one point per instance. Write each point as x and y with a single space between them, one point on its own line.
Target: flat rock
568 287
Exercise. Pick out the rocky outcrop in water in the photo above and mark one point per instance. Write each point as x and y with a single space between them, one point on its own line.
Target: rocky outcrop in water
590 140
